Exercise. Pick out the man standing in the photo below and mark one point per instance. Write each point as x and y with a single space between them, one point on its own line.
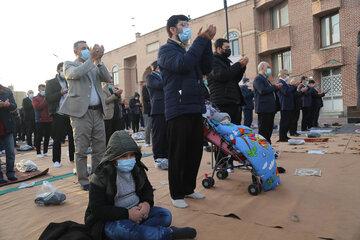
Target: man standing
7 129
306 105
135 112
42 122
55 93
154 83
146 115
317 104
265 100
287 104
182 67
112 115
224 81
248 95
296 112
29 116
85 105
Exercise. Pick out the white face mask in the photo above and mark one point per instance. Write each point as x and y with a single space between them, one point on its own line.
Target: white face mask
248 84
62 75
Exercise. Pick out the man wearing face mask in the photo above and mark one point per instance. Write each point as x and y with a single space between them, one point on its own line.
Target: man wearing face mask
42 121
224 81
287 104
182 67
85 105
112 115
55 93
265 100
248 95
29 115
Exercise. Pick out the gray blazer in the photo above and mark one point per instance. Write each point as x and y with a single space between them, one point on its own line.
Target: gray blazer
77 101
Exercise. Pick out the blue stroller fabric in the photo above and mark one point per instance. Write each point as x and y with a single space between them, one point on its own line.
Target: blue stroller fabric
254 147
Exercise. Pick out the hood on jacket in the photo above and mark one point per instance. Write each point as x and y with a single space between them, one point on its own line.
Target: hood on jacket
119 144
136 95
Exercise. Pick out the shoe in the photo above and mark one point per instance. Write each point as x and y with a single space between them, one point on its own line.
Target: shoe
229 170
183 233
40 155
57 165
282 140
195 196
161 163
12 178
147 145
179 203
207 148
47 154
85 187
295 135
2 181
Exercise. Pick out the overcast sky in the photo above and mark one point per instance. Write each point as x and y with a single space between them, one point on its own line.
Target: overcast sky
38 34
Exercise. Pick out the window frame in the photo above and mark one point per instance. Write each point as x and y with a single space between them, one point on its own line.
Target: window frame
275 73
277 8
117 73
231 43
330 30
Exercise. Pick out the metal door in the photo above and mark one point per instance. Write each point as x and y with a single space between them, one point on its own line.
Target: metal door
331 81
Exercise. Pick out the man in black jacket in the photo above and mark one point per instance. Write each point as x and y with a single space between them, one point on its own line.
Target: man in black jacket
146 115
224 81
55 93
29 117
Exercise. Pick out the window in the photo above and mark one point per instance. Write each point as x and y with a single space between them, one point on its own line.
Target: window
115 71
279 15
152 47
234 43
281 61
330 30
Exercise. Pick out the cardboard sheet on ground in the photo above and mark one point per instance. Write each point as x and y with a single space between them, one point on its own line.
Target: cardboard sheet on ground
327 207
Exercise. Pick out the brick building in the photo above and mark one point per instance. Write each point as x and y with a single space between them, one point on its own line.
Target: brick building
309 37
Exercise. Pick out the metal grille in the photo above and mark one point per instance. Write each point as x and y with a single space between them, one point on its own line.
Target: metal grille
332 83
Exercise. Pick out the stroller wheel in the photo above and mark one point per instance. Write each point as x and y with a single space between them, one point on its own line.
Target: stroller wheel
254 189
208 182
222 174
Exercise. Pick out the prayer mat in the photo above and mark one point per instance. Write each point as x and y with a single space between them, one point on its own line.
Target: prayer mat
23 176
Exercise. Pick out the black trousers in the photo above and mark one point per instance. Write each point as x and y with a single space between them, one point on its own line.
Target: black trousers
284 124
234 110
316 113
30 129
158 136
248 117
295 114
306 118
135 122
185 137
60 128
266 125
43 130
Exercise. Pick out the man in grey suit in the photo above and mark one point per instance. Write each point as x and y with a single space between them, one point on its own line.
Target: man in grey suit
85 105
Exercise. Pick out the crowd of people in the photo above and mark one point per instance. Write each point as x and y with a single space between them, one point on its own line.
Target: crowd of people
82 103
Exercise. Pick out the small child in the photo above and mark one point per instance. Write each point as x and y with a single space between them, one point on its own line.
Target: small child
121 199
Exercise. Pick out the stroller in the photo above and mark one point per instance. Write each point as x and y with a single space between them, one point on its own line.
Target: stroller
226 153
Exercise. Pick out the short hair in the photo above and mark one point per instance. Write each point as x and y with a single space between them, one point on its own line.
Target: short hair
303 78
245 79
220 42
60 65
154 65
41 85
261 65
77 43
312 81
173 21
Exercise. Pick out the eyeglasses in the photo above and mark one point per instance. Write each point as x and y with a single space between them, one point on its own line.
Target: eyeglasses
184 24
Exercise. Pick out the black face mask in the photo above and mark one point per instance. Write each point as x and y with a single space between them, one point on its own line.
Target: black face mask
227 53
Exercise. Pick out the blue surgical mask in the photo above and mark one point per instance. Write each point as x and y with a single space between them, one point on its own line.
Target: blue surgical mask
185 35
268 72
85 54
42 93
206 82
126 165
31 95
110 86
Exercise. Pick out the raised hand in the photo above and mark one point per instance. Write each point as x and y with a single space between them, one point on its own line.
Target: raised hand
243 61
209 33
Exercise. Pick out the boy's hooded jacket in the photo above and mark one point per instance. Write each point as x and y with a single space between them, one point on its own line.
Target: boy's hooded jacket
103 185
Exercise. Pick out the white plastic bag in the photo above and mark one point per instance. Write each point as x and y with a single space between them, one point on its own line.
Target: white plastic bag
26 166
48 194
296 141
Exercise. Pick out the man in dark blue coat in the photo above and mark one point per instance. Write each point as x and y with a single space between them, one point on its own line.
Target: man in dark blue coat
265 100
248 95
182 67
7 129
154 84
306 105
287 104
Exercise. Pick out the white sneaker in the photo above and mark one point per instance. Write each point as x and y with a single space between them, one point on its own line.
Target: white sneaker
147 145
47 154
40 155
229 170
57 165
195 196
179 203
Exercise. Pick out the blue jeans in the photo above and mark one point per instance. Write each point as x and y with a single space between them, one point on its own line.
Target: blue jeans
156 227
8 143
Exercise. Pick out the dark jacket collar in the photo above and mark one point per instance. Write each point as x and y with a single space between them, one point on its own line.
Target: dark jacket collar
222 58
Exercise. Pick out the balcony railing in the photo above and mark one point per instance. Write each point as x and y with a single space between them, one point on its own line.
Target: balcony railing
275 40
